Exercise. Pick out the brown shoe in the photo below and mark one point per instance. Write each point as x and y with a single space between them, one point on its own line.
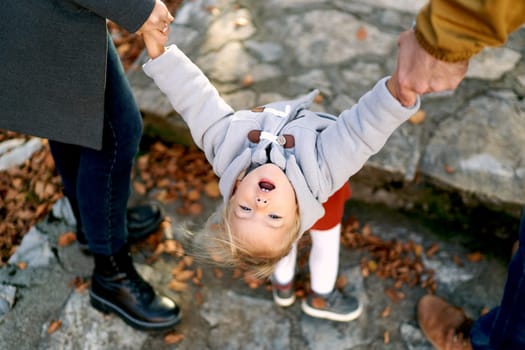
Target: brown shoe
445 326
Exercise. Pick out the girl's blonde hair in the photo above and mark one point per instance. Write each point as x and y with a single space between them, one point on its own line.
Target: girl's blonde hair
219 244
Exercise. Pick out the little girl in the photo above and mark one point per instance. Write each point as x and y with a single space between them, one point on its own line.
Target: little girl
278 164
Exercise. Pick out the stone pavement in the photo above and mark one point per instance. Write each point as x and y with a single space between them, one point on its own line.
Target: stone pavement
259 51
224 313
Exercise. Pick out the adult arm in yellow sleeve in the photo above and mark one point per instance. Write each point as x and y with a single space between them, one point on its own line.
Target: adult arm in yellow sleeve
434 55
456 30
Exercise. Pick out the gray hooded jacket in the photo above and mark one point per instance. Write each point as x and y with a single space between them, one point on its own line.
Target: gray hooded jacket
327 150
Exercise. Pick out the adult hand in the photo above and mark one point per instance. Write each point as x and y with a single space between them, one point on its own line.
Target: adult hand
159 19
418 72
155 41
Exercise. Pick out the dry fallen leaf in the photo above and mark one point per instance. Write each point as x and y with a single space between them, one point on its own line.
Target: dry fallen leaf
237 273
484 311
386 337
195 209
66 239
247 80
418 117
139 188
318 303
184 275
449 169
79 283
457 260
319 99
181 265
54 326
418 249
173 338
361 33
366 230
177 286
372 266
434 248
475 257
364 271
188 260
198 272
212 189
218 272
213 10
386 312
193 195
199 298
341 282
394 295
142 162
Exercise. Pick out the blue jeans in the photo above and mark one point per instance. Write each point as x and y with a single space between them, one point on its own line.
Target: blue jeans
97 182
504 326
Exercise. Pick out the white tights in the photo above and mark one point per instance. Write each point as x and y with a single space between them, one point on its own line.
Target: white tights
323 263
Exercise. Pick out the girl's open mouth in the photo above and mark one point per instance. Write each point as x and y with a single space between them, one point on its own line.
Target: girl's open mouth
266 186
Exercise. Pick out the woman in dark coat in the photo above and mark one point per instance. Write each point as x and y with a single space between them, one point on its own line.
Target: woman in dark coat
61 79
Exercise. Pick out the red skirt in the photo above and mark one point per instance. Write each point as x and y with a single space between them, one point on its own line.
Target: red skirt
333 209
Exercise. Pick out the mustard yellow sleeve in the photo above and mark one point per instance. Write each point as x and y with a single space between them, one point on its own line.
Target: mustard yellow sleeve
456 30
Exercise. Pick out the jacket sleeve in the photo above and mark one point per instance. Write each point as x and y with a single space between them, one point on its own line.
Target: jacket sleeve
456 30
129 14
193 96
360 132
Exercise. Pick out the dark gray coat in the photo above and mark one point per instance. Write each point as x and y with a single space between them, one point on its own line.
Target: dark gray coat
53 65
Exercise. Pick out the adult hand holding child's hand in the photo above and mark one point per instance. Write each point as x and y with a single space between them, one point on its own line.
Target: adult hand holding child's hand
155 30
419 73
159 19
155 41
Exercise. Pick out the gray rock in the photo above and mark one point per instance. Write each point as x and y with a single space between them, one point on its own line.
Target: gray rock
492 63
34 250
15 152
7 299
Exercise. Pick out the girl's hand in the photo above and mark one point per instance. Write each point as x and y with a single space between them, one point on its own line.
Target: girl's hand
393 87
155 41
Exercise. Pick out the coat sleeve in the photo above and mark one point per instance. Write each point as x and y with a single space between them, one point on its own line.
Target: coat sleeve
129 14
192 96
456 30
360 132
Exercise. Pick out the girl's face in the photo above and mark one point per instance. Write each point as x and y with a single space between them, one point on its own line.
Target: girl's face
263 209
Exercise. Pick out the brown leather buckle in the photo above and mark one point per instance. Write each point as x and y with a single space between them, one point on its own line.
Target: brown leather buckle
286 140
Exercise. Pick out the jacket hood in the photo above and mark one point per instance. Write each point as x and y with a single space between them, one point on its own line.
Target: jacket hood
310 209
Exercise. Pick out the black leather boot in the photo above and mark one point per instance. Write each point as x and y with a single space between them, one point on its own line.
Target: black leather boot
118 288
141 221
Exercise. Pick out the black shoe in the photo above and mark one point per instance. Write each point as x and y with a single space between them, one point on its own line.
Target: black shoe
142 221
116 287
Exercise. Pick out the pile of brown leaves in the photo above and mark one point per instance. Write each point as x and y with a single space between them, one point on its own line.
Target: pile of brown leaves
176 173
394 259
399 261
27 192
